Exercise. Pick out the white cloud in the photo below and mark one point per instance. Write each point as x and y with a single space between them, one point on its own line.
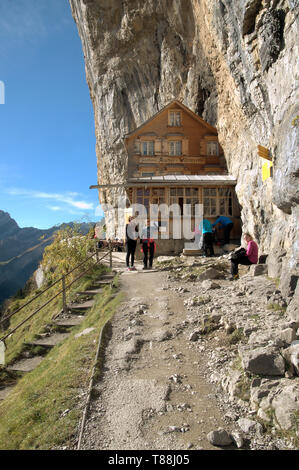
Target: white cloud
68 198
55 208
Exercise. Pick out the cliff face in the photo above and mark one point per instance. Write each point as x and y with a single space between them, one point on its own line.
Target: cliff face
233 63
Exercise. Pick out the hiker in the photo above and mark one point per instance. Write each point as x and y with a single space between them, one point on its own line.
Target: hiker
245 257
148 246
131 242
226 224
205 227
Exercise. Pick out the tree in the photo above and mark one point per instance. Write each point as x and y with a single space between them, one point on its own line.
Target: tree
68 249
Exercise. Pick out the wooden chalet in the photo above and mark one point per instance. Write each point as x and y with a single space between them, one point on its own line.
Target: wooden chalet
175 157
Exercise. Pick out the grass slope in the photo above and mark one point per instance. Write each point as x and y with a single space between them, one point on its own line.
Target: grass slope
34 415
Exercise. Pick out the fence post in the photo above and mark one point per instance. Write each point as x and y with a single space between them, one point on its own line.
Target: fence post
110 256
64 295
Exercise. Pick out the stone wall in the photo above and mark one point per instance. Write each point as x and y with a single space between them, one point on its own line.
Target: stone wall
233 63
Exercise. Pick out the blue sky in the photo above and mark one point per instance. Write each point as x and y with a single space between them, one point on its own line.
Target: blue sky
47 138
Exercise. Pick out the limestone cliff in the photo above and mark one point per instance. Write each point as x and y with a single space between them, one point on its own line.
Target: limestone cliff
235 63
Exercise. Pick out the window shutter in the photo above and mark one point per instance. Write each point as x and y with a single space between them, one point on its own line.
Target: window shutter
158 146
202 147
137 147
185 149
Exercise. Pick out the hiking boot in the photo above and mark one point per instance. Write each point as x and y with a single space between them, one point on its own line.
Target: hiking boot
234 277
144 267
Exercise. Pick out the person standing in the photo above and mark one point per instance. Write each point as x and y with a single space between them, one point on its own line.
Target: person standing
148 246
226 224
207 234
131 242
247 258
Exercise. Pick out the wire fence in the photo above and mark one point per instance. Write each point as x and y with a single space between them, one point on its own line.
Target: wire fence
62 292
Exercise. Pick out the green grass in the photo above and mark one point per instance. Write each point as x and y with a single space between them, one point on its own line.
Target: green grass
36 325
236 336
277 308
31 415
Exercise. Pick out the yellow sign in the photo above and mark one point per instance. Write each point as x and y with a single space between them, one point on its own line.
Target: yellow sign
267 169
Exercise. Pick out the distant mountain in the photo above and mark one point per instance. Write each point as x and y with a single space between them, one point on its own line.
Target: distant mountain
21 250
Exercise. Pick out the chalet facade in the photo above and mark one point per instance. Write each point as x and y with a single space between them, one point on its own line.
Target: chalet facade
175 157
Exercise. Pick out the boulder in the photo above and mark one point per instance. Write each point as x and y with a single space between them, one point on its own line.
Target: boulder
262 361
258 269
291 355
286 406
234 384
209 284
210 273
219 438
287 335
293 307
237 439
248 425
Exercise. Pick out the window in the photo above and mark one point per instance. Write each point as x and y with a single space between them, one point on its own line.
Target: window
147 147
147 174
174 118
212 148
143 197
175 147
217 201
225 201
183 196
158 196
155 195
210 201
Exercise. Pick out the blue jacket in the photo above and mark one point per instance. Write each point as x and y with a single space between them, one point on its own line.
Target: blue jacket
205 226
222 220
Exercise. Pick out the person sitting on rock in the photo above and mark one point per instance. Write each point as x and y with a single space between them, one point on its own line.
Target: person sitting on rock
226 224
247 258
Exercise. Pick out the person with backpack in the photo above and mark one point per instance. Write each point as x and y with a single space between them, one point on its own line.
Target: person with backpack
148 246
226 224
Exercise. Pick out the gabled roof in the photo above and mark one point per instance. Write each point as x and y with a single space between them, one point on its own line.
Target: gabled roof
210 128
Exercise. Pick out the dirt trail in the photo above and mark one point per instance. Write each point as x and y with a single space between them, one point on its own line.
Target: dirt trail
153 393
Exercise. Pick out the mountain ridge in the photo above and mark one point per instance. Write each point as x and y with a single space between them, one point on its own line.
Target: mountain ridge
21 250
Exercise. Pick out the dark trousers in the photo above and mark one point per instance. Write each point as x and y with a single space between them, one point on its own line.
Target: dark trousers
148 253
208 243
227 229
243 259
131 248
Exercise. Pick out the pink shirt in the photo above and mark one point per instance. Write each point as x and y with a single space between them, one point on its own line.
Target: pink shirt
252 252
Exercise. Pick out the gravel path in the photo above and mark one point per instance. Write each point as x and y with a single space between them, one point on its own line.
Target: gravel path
153 393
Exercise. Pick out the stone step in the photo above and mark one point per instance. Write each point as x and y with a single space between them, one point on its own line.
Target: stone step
70 321
50 341
104 282
91 291
26 365
187 252
81 306
5 391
